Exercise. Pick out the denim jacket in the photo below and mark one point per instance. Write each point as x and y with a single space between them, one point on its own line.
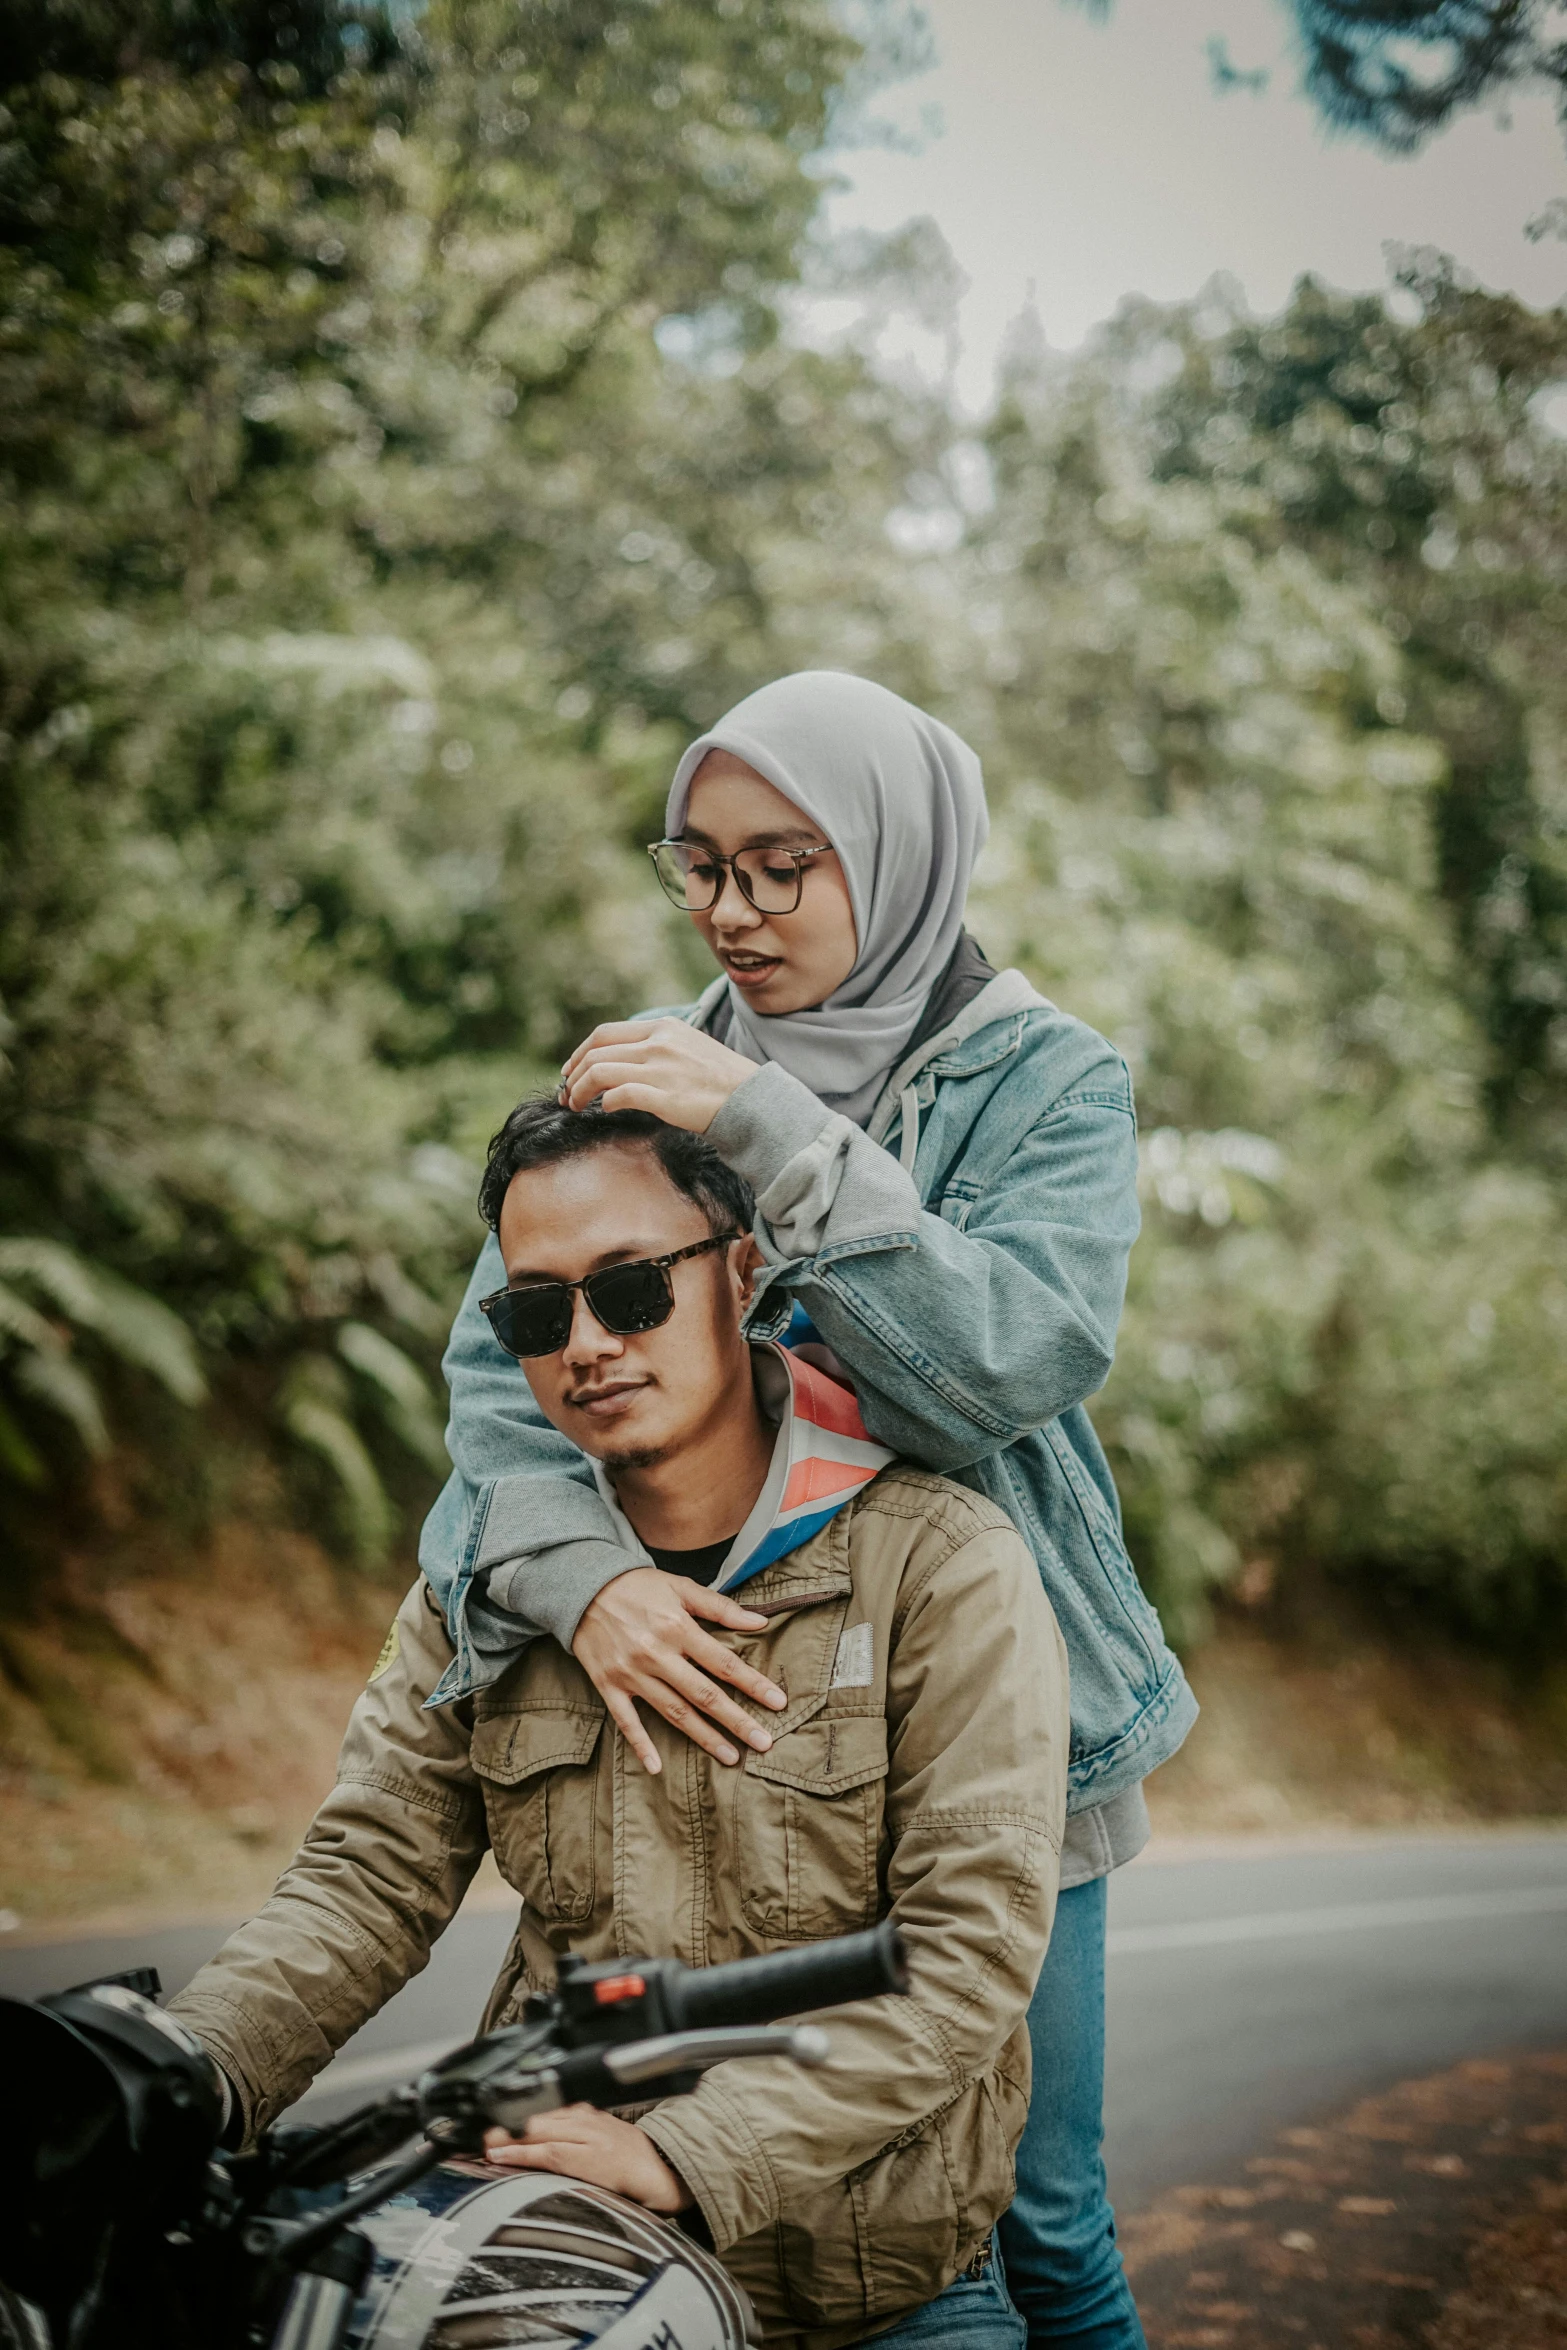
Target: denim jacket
965 1257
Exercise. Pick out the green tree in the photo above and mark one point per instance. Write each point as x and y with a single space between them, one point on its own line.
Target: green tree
1415 458
1221 839
403 453
363 553
1400 69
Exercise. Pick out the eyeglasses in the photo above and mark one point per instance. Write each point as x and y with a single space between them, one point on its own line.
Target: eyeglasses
626 1299
692 877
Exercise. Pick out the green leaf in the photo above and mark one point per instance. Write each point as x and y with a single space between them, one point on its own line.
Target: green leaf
147 1335
17 1456
312 1407
22 1322
59 1272
132 1325
399 1390
53 1379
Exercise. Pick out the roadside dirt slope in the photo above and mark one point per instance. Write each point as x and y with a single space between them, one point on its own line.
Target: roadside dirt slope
165 1735
164 1739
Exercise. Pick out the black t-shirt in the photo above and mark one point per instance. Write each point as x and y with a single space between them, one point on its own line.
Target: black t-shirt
703 1566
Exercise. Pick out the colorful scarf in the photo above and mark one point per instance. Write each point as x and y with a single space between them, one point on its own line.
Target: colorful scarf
821 1459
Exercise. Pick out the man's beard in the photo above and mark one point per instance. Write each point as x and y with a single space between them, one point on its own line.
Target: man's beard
640 1457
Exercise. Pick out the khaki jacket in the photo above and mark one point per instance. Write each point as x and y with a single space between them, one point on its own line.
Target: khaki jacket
919 1770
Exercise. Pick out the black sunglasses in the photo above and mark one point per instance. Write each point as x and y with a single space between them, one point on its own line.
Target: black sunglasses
536 1320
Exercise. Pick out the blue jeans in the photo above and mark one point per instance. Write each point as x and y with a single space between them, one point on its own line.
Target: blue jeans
1063 2267
972 2314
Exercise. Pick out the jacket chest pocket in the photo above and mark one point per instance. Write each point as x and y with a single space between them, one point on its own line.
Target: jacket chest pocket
807 1826
540 1776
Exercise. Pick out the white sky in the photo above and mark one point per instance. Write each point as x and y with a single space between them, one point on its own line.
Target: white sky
1088 160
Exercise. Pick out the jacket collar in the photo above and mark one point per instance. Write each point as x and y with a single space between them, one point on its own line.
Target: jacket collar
983 1031
822 1457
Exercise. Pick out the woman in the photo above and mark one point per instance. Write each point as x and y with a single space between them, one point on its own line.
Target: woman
945 1172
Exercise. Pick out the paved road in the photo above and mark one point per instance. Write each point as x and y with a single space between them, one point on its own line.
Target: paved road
1246 1993
1249 1995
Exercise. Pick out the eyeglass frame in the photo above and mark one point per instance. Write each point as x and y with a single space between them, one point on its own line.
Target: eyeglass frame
497 1297
731 866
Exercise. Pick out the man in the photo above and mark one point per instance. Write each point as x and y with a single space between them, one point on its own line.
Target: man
914 1766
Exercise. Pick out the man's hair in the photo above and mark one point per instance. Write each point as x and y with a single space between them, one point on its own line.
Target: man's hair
540 1132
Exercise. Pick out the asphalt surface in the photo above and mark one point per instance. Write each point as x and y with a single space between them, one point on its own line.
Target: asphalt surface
1246 1993
1246 1996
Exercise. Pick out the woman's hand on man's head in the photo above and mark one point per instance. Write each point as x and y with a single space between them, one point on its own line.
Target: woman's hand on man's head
664 1066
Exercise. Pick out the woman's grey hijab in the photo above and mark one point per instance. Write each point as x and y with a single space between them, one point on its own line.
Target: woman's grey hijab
902 800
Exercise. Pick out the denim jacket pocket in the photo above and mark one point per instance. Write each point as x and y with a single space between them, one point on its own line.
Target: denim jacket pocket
539 1774
807 1827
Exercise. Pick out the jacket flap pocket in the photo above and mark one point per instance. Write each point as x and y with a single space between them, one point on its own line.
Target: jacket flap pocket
793 1582
508 1748
827 1755
982 1050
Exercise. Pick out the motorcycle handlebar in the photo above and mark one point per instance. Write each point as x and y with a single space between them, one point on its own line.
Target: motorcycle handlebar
789 1982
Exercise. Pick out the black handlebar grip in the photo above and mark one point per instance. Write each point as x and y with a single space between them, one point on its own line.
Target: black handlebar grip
790 1982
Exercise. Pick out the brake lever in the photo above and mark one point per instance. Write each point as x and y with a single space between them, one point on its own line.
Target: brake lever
694 2052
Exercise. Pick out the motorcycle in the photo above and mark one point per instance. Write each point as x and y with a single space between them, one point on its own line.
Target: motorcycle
123 2222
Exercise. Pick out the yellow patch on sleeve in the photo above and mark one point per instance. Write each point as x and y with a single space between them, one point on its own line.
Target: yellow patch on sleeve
389 1647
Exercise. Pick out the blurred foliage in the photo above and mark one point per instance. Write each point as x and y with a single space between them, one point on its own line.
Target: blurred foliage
1400 69
1272 644
406 445
39 1278
363 561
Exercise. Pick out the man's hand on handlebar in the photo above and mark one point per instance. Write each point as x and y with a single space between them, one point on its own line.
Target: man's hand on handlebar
641 1638
580 2142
